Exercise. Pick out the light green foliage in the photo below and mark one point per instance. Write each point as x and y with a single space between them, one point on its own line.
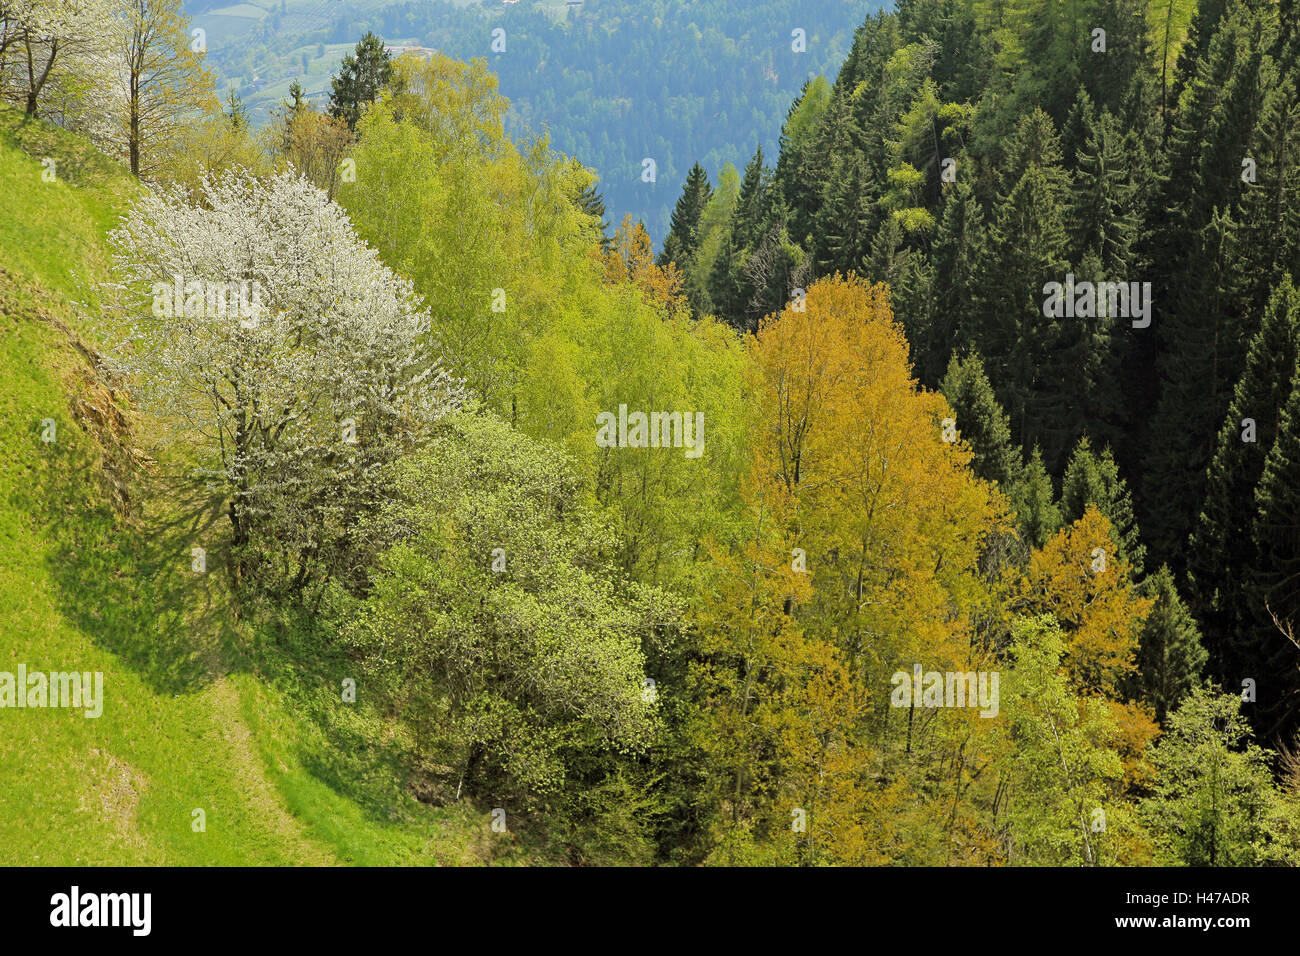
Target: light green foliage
715 226
804 116
85 584
1169 20
1062 765
1214 802
507 584
453 203
497 625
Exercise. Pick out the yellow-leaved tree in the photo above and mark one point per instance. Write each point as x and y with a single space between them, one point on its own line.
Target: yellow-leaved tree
885 521
1079 580
163 80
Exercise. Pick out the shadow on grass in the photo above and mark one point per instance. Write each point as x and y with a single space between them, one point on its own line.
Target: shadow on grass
76 163
128 581
354 751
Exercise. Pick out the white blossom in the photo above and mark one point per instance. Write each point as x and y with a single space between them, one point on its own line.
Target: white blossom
61 51
294 405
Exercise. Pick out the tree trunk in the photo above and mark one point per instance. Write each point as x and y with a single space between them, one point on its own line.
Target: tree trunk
135 138
137 70
34 85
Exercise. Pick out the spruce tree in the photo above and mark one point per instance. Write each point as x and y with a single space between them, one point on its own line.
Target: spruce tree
591 202
889 254
236 112
1019 344
911 293
1206 334
363 74
1104 216
1034 503
730 287
1203 314
1269 202
1092 478
1205 25
1036 143
981 422
1221 553
798 171
684 231
844 220
1128 53
957 254
1274 581
752 204
1170 655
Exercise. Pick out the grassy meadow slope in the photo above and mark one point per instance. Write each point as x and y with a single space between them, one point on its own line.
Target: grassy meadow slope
201 710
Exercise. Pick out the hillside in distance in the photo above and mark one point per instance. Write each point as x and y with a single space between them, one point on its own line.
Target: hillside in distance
613 82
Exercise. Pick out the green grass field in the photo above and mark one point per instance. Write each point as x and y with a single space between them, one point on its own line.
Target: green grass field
201 711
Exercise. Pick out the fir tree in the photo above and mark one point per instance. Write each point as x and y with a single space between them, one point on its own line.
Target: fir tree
1093 479
1222 552
684 234
843 224
798 171
362 75
1203 316
1034 143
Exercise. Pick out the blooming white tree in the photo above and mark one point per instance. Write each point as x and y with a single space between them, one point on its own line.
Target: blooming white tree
61 45
295 361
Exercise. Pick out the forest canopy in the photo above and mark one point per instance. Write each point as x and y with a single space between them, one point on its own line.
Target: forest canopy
929 498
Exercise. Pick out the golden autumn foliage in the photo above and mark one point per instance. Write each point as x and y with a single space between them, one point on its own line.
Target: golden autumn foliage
630 261
1077 579
883 523
888 513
